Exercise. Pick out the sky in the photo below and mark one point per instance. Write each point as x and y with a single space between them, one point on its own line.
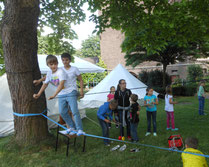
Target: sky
83 30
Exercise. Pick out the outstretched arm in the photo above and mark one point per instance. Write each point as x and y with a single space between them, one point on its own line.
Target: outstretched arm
43 87
37 82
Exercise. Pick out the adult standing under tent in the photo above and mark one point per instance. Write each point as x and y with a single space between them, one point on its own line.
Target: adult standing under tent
98 95
7 118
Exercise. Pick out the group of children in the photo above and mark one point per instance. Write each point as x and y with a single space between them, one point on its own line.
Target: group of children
126 111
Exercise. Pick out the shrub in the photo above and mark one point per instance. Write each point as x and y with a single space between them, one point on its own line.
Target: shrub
194 73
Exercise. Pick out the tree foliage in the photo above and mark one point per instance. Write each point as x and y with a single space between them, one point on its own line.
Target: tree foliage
195 72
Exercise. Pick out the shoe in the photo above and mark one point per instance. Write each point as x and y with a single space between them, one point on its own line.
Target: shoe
120 138
109 127
115 148
134 150
69 131
122 148
108 145
154 134
80 132
129 137
204 114
123 138
175 129
168 128
117 126
147 134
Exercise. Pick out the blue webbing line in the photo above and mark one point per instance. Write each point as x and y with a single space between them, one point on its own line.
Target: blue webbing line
100 137
146 145
28 115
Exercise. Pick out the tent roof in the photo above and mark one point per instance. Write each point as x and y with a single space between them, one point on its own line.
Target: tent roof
82 65
93 98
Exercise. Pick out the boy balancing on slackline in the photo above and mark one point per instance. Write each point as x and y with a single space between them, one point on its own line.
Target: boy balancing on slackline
103 113
66 95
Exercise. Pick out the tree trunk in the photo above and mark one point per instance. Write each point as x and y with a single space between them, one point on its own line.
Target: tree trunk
19 38
164 75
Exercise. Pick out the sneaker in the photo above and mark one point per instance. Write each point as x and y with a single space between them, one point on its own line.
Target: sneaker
120 138
122 148
129 137
68 131
154 134
117 126
134 150
123 138
80 132
147 134
168 128
175 129
115 148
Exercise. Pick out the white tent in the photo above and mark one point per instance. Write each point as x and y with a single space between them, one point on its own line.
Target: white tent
6 116
98 95
82 65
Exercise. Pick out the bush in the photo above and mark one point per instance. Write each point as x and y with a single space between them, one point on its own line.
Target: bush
154 79
188 90
194 73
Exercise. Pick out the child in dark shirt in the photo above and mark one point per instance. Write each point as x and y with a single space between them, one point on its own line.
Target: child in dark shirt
134 117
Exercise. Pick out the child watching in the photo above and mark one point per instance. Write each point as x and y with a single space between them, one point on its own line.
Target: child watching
170 109
201 97
190 160
106 111
134 117
66 95
151 102
110 96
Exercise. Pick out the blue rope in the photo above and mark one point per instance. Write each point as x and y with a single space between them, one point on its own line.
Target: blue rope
100 137
28 115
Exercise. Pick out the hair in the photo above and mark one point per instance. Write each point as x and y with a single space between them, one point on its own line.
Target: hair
168 90
114 103
111 88
119 82
191 142
201 82
51 59
66 55
134 97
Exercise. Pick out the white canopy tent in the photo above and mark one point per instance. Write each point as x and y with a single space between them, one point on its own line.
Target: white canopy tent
98 95
83 65
6 116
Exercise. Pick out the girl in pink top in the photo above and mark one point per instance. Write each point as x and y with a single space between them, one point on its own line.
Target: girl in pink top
111 95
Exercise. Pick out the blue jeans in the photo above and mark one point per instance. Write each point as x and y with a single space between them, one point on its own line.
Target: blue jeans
134 135
153 115
201 105
105 130
66 101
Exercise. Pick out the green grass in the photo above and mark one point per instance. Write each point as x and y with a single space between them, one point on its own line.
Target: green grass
97 155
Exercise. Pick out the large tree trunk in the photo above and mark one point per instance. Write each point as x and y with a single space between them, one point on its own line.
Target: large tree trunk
19 38
164 75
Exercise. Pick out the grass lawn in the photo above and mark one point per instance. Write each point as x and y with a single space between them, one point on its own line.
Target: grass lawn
97 155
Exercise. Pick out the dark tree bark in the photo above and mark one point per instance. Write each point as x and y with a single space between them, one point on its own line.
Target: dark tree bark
19 38
164 75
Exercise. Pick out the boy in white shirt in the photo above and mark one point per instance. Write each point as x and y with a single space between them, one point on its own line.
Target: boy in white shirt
67 94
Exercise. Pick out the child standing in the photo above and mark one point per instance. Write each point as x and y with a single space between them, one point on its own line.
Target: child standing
151 102
103 113
201 97
110 96
170 109
65 92
134 117
190 160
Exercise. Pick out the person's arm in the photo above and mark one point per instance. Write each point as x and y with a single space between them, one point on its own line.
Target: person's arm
37 82
43 87
79 77
59 88
145 103
101 113
171 101
156 101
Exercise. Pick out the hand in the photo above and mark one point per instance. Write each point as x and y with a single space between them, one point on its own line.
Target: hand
36 96
36 82
107 121
137 112
114 121
51 97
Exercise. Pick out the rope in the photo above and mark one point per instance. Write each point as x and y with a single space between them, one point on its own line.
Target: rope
100 137
92 121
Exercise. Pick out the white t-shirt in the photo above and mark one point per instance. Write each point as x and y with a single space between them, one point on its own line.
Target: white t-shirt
55 78
168 106
72 74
